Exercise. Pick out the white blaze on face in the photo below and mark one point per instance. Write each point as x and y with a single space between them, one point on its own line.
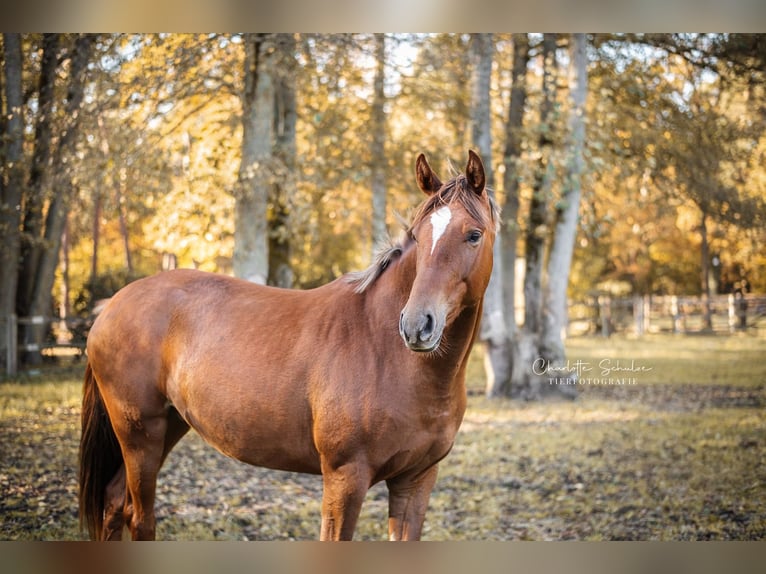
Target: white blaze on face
439 221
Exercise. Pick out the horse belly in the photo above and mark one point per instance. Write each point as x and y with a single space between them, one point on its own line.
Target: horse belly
263 421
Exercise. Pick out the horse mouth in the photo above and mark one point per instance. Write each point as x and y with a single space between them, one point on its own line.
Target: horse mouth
423 346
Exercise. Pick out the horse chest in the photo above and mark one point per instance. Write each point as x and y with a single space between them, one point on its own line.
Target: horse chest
415 442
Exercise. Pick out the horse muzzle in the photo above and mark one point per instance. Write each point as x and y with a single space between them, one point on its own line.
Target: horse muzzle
421 330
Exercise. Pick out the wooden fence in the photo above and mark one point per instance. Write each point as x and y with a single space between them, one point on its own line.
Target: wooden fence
606 315
59 335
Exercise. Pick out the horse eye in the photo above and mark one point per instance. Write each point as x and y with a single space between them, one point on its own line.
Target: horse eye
473 237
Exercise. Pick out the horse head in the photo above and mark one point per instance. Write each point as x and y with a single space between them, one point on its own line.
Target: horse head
454 232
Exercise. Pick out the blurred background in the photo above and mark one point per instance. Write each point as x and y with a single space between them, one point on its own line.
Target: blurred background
630 169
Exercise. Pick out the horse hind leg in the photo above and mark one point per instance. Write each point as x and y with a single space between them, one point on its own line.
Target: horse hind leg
115 504
150 441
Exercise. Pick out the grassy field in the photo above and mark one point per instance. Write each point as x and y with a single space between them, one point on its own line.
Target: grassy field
679 455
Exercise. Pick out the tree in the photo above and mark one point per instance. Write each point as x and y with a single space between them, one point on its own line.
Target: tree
676 133
64 188
493 333
700 164
567 210
499 383
378 146
39 174
10 183
511 175
251 256
283 190
523 381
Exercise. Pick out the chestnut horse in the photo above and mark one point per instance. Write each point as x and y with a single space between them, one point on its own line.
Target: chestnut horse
360 380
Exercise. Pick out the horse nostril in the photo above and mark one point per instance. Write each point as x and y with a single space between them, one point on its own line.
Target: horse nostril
428 328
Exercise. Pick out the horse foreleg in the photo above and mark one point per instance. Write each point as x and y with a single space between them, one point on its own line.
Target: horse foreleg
407 503
344 489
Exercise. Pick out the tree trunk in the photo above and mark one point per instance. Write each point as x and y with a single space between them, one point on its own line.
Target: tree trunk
509 227
11 180
497 363
39 176
119 183
64 306
560 260
58 210
524 383
283 190
95 236
378 147
511 159
251 241
537 229
705 273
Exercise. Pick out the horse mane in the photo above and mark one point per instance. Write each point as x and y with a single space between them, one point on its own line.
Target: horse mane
455 189
385 254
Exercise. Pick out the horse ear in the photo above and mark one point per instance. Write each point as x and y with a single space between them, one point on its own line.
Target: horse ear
474 173
428 182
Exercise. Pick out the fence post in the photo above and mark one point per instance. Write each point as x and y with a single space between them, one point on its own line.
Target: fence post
11 340
647 313
605 311
638 314
675 312
737 312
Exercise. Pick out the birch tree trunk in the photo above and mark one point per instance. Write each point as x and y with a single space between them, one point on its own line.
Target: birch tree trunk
378 147
251 241
560 260
493 332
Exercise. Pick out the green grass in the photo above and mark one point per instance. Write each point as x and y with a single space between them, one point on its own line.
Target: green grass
681 359
681 455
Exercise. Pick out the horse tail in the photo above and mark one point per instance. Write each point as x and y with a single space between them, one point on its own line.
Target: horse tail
100 456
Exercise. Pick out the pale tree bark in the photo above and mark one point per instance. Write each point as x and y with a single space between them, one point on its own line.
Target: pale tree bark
62 180
378 147
560 260
251 241
11 181
509 228
493 332
283 190
523 381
